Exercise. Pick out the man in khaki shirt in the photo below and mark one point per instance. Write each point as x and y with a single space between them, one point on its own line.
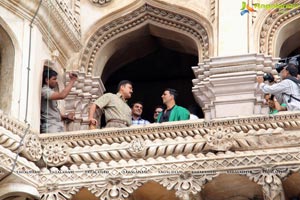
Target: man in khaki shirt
117 112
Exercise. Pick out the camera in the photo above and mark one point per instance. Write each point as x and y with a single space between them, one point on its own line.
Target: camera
268 77
283 62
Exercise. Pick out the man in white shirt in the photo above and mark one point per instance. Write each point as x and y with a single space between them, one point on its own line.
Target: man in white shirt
136 111
287 91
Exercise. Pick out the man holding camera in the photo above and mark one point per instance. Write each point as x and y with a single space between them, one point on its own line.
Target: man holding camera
51 117
288 90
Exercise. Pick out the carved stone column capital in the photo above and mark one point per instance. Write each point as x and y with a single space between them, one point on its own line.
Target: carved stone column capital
226 86
85 91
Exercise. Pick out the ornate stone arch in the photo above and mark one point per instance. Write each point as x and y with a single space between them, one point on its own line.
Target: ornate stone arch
270 37
8 53
18 191
187 23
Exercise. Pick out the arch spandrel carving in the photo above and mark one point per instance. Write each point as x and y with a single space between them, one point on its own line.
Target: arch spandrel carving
270 27
185 24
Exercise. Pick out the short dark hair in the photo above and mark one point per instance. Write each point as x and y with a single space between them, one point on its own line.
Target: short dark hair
124 82
158 106
292 69
47 74
172 92
137 102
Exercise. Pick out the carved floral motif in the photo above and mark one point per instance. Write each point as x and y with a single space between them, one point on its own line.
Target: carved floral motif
55 154
186 183
220 139
116 188
137 146
52 192
33 148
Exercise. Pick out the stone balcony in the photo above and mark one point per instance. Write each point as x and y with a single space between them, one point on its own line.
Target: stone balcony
253 156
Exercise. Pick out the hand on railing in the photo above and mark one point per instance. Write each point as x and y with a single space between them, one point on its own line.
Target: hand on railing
93 123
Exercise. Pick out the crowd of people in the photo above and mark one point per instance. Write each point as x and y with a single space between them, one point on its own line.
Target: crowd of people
279 96
114 106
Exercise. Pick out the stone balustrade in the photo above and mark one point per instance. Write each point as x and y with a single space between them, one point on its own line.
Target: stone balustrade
183 156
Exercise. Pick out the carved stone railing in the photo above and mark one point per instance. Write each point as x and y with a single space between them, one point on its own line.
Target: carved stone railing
171 139
184 174
12 132
183 156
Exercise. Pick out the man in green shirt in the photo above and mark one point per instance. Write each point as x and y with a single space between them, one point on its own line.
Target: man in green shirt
172 112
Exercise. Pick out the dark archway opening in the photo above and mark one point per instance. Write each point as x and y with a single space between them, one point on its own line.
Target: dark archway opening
151 74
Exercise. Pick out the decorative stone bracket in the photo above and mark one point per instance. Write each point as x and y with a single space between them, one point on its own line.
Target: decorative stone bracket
85 91
61 193
186 183
269 177
226 86
115 189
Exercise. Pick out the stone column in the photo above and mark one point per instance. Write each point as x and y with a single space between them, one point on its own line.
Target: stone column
85 91
270 180
226 86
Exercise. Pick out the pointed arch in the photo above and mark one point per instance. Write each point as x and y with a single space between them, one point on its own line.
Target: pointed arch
184 23
275 29
234 186
8 54
154 191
